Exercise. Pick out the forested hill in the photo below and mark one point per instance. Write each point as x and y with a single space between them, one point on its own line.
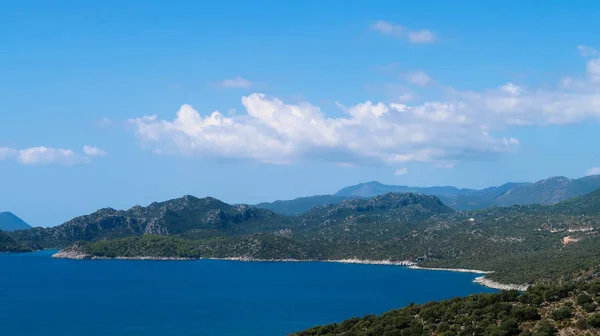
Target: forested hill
301 204
521 244
545 310
7 244
187 216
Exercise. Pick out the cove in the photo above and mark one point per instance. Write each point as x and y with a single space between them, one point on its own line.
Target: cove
44 296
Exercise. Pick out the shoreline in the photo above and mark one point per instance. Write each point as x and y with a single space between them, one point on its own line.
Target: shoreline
461 270
481 280
497 285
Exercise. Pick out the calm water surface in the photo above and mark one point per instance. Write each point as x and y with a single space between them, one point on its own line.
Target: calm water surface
44 296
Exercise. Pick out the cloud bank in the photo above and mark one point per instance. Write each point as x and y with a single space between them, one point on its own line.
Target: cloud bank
466 125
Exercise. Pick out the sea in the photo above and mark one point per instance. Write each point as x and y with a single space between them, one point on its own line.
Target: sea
44 296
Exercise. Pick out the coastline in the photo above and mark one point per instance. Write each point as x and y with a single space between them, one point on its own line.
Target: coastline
407 263
497 285
481 280
462 270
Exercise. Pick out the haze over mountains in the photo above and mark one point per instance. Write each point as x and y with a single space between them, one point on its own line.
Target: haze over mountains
548 191
10 222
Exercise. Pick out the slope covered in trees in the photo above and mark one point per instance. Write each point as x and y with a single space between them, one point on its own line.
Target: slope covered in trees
520 244
544 310
8 244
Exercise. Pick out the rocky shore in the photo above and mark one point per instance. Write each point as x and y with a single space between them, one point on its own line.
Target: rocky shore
69 254
463 270
482 280
374 262
497 285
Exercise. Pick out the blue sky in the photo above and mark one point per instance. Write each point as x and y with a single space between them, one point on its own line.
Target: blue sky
311 96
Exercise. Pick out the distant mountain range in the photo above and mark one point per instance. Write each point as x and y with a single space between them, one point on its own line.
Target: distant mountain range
548 191
10 222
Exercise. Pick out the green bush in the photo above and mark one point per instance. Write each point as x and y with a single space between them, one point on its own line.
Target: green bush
562 313
525 314
584 299
594 320
545 328
589 307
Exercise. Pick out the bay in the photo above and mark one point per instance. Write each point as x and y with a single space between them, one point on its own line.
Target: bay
44 296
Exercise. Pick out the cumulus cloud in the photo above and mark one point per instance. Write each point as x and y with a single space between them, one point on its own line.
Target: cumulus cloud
593 171
93 151
47 155
235 83
465 125
273 131
401 171
403 33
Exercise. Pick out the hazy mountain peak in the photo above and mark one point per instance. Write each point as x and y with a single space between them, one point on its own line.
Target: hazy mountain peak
10 222
555 179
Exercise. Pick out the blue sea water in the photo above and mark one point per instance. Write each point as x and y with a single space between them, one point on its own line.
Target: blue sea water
44 296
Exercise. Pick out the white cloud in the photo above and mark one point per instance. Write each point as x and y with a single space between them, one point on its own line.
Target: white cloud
465 125
421 36
93 151
403 33
48 156
593 69
510 89
401 171
235 83
588 51
45 155
593 171
272 131
418 78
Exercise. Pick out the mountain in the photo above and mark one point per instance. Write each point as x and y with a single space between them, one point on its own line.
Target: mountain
549 191
300 204
10 222
352 223
521 244
588 204
374 188
188 215
479 199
